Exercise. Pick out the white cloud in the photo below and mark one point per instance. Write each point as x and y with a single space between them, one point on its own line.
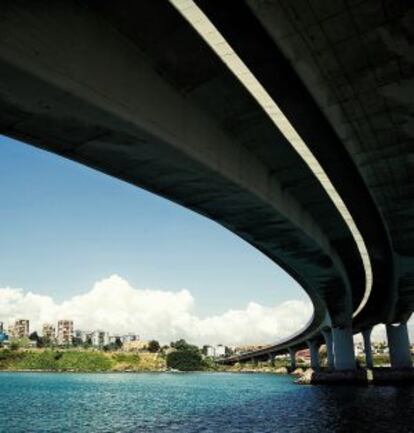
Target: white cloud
114 305
379 333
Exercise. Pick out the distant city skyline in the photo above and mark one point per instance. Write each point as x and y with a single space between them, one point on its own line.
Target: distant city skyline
65 334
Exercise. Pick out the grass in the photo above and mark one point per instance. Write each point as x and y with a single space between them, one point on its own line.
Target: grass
57 361
82 361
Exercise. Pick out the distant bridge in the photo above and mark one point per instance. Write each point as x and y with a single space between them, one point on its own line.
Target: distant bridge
290 123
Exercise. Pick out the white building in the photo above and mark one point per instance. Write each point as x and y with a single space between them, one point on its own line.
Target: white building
215 351
210 352
128 338
220 351
100 338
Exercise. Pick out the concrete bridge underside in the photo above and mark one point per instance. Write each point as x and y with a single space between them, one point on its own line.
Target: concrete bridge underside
133 90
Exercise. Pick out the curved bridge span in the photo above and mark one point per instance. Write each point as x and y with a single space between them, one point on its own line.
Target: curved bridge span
251 113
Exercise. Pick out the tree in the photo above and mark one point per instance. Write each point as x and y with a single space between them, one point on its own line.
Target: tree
154 346
112 347
34 336
184 360
88 343
182 345
118 343
48 342
77 342
14 345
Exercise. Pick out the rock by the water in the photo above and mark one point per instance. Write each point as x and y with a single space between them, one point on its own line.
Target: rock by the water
306 377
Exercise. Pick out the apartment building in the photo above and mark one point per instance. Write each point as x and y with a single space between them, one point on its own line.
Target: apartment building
65 332
48 332
215 351
20 329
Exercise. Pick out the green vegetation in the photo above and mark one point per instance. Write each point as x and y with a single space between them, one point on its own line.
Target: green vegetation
8 358
185 361
39 340
112 347
55 361
127 358
79 361
183 346
154 346
18 343
186 357
84 361
379 360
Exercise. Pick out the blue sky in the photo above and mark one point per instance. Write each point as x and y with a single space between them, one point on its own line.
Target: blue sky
65 226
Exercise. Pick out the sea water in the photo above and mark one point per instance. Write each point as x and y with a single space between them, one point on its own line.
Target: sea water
196 402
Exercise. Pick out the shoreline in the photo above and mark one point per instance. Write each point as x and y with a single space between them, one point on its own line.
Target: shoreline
171 371
85 361
360 378
142 371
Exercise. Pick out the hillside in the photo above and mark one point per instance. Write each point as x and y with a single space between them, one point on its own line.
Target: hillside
81 361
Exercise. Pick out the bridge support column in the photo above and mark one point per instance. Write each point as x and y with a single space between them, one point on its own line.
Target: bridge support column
314 353
327 335
271 359
343 344
399 346
292 354
366 334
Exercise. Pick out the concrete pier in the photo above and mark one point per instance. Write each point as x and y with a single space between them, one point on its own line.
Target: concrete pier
343 346
314 353
292 354
327 335
399 345
271 359
366 334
